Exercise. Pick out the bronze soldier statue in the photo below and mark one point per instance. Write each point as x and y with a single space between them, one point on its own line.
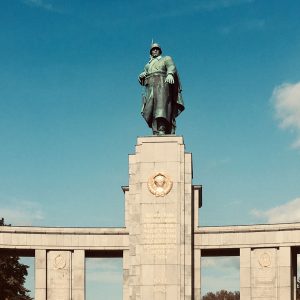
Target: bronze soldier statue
162 100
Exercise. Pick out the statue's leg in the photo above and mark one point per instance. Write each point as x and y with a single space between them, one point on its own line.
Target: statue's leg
154 127
161 125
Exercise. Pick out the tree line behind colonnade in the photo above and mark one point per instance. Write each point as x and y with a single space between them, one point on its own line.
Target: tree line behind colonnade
225 295
222 295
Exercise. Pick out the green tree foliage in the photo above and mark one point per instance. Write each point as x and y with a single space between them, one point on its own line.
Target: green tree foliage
12 277
222 295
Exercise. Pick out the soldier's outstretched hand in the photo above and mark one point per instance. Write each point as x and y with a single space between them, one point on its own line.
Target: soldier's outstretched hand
142 75
142 78
170 79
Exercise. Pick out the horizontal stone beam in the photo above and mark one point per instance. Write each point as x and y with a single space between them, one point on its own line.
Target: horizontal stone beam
268 235
63 238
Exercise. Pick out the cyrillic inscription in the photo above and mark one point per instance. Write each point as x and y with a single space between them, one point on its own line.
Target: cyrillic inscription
159 233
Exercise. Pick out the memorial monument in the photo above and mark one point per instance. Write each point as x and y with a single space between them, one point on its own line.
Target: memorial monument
162 100
161 242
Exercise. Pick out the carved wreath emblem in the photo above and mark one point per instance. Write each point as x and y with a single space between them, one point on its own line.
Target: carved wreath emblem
59 262
160 184
265 260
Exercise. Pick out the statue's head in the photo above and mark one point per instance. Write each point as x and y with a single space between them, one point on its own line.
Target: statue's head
155 50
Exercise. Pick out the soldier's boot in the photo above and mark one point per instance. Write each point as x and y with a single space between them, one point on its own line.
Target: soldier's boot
161 126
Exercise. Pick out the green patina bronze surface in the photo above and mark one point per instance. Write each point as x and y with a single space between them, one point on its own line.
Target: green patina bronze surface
162 99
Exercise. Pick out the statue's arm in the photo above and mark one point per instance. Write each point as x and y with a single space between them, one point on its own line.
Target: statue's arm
169 63
142 76
171 69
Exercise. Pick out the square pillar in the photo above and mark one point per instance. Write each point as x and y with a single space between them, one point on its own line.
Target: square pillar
285 273
294 273
264 273
197 199
197 274
59 279
40 274
78 275
126 275
159 220
245 273
187 227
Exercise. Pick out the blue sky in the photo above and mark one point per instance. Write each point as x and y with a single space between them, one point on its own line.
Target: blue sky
70 105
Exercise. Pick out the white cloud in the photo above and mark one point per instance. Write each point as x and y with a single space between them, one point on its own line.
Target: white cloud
285 213
24 213
40 4
286 99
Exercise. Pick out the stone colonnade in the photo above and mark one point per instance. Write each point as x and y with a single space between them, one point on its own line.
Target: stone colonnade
161 243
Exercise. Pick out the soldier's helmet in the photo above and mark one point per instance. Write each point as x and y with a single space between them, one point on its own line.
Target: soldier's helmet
155 45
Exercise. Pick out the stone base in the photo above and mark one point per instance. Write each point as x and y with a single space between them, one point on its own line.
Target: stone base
159 219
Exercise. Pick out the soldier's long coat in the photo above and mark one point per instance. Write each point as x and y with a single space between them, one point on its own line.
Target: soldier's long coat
161 100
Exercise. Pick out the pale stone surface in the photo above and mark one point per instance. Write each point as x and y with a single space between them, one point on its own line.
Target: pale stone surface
78 275
160 227
264 273
196 194
40 294
245 273
264 236
197 274
59 275
125 274
245 293
40 274
285 282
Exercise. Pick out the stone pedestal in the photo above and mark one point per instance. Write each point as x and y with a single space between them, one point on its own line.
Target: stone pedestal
158 215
